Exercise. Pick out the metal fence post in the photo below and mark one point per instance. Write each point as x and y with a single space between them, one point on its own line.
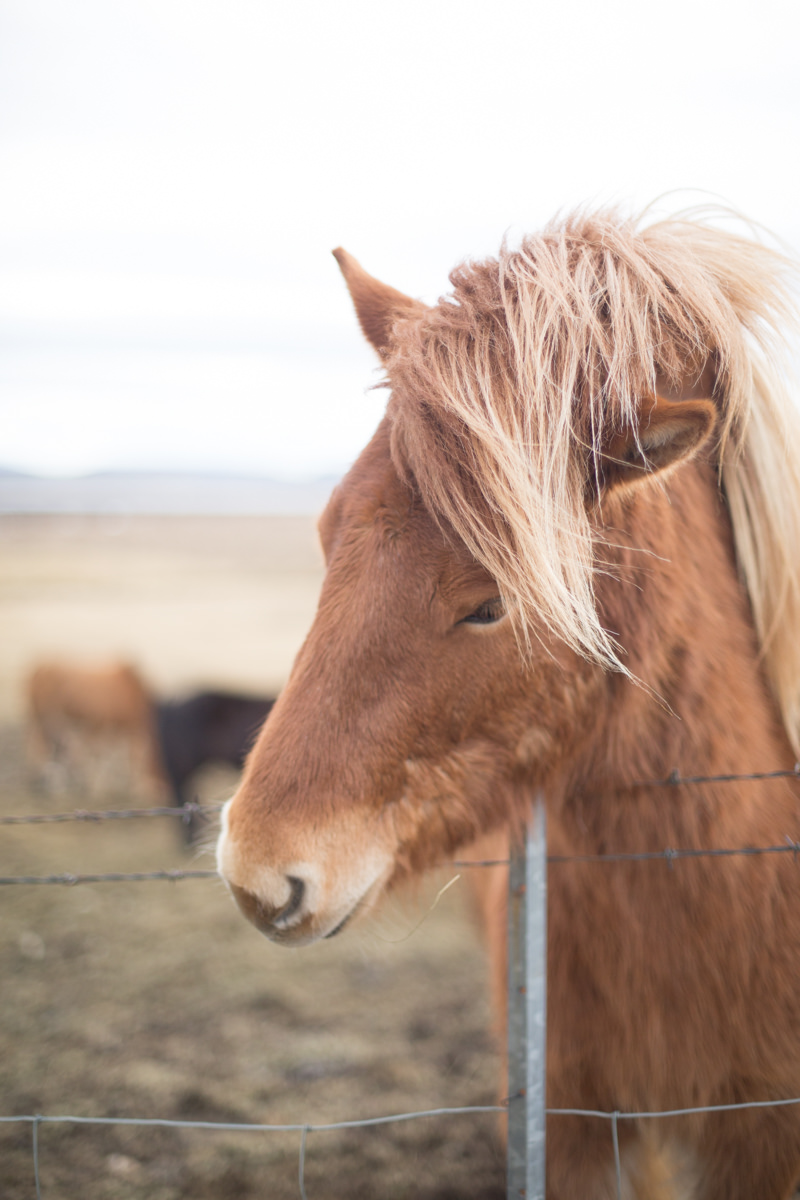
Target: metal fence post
527 1010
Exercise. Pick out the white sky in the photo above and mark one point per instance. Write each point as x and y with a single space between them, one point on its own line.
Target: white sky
174 174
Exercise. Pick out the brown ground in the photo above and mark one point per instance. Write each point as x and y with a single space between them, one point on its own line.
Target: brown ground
156 999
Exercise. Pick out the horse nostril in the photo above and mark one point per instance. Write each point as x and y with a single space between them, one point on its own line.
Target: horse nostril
295 901
265 916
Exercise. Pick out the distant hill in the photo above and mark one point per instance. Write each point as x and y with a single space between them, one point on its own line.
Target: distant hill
146 492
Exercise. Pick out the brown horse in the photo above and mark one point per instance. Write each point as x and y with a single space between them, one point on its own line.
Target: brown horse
80 717
569 560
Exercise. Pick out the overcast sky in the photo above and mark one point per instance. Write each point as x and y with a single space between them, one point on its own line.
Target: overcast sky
174 174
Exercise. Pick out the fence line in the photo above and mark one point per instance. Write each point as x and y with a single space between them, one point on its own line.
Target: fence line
669 855
39 1119
233 1127
674 779
252 1127
185 811
529 1170
67 879
391 1118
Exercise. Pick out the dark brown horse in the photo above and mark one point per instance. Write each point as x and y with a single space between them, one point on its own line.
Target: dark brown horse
569 559
205 727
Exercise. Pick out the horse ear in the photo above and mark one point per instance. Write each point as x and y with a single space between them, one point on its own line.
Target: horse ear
377 305
670 432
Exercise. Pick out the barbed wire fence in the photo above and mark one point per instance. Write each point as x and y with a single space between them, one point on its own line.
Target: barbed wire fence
527 933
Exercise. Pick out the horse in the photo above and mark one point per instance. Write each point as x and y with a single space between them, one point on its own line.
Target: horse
568 563
205 727
80 717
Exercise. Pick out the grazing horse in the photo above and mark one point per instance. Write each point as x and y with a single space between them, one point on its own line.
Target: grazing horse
203 728
80 716
569 560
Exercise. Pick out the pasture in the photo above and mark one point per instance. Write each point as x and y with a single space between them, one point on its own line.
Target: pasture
156 999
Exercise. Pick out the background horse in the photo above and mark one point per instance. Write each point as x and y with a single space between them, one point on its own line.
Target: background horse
203 728
569 559
88 724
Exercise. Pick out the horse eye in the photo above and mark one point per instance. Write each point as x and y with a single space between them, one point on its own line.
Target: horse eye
488 612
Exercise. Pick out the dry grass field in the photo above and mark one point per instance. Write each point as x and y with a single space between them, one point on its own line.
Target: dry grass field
156 999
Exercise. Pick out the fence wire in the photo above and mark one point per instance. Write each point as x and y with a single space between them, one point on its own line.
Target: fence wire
37 1120
190 809
68 879
668 855
185 811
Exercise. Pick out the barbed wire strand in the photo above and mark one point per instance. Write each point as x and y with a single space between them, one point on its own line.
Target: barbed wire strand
67 879
669 855
617 1166
185 811
675 779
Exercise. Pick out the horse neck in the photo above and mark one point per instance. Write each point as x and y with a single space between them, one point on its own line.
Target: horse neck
698 703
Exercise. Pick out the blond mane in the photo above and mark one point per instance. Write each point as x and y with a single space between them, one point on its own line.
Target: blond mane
505 394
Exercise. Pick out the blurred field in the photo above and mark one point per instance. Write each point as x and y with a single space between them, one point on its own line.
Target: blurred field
191 600
156 999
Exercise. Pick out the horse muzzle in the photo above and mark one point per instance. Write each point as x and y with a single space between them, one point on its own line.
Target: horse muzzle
312 894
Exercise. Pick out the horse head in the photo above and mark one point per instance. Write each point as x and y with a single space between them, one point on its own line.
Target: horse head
435 685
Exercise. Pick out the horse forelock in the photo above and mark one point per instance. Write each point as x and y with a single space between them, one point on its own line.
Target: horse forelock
504 394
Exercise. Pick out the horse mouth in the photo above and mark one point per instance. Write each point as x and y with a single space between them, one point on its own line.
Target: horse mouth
288 933
338 928
364 903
